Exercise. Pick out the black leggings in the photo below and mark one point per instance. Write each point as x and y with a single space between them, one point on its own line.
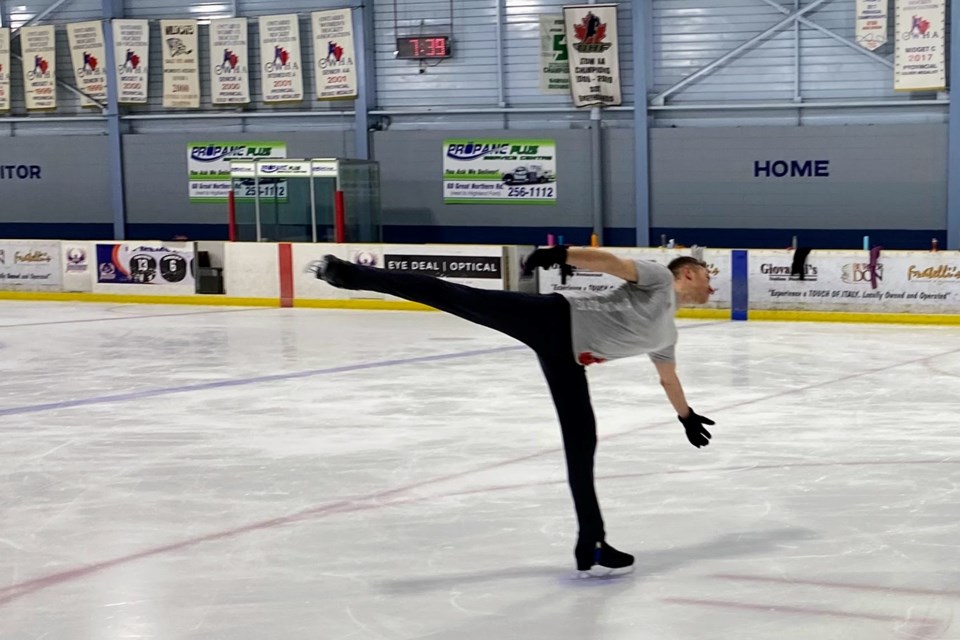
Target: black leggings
542 322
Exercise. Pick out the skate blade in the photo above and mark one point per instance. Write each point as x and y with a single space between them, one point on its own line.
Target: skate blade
599 571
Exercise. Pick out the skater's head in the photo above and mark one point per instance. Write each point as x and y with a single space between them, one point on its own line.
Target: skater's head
691 280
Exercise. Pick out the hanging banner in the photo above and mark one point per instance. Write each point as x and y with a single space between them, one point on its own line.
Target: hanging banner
336 72
88 55
208 169
554 61
181 64
230 77
920 55
594 54
4 69
499 171
131 45
39 46
282 77
871 23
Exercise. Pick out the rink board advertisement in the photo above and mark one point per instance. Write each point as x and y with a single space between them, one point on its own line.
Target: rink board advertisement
130 263
921 282
499 171
590 282
208 170
30 266
479 266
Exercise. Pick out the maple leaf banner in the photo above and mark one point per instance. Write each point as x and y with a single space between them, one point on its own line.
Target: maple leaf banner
39 49
593 54
333 50
131 45
181 64
920 51
229 70
282 77
871 24
4 69
88 54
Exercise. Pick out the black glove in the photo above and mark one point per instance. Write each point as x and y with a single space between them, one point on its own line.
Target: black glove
696 433
555 256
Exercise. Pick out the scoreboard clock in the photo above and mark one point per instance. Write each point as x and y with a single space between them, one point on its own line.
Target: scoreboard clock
423 47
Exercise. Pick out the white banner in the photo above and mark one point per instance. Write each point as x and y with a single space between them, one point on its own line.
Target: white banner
181 64
871 23
920 55
31 265
4 69
39 46
554 61
589 282
229 73
594 54
88 54
907 281
282 77
131 45
336 71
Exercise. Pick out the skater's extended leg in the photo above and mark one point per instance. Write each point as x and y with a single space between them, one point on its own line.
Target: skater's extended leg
539 321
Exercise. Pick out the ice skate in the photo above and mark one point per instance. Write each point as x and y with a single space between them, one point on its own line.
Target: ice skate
600 559
333 271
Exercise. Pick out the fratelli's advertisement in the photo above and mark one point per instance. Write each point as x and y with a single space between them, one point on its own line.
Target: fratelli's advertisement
30 265
499 171
208 166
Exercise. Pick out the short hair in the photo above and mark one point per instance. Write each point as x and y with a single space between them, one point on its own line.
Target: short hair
677 264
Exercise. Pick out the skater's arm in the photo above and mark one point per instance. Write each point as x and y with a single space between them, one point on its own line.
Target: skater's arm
603 261
671 385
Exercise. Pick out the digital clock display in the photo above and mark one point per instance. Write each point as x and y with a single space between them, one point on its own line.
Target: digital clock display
420 47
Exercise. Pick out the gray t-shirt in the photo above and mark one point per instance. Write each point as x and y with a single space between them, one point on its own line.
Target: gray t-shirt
632 319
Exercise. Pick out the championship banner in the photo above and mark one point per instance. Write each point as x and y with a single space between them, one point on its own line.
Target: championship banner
4 69
30 265
554 62
920 53
499 171
208 168
131 45
129 263
594 54
871 23
88 54
282 78
336 72
229 75
181 64
39 46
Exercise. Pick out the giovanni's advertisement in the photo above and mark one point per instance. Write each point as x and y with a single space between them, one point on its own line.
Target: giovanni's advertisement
499 171
900 282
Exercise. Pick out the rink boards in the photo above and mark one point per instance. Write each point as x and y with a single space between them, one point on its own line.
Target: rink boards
903 286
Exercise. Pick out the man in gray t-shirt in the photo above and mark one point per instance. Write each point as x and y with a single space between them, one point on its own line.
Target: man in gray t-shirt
567 334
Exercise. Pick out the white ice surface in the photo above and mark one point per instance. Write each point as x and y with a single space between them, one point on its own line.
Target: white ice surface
245 474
